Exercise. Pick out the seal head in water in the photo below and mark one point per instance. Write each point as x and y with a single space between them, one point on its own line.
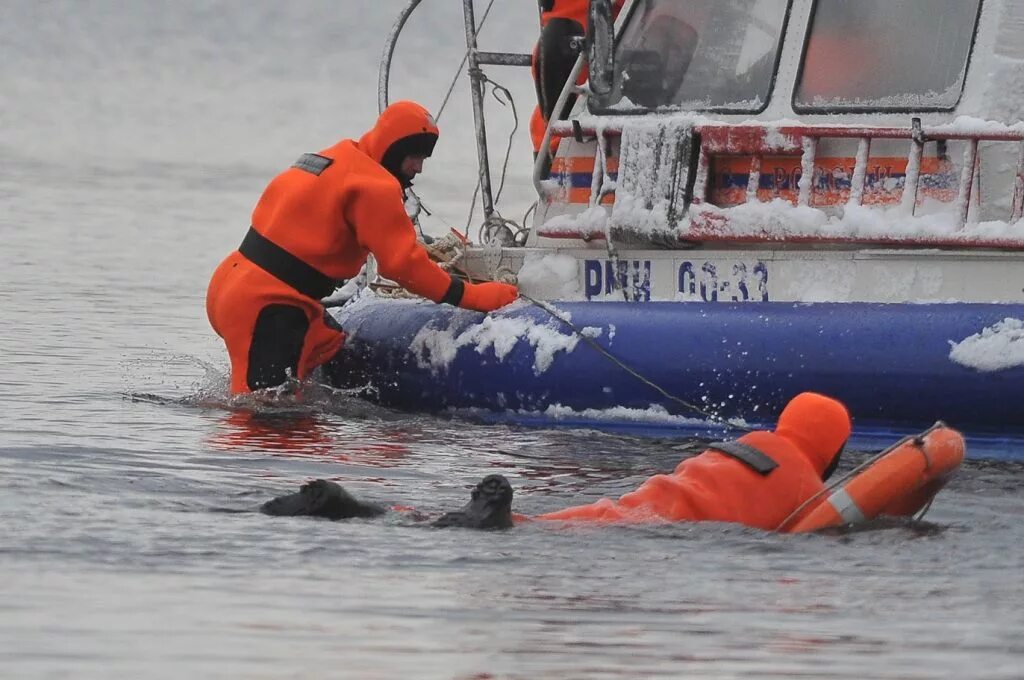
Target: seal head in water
489 507
321 498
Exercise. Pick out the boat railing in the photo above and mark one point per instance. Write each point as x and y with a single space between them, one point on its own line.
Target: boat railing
474 58
756 141
543 159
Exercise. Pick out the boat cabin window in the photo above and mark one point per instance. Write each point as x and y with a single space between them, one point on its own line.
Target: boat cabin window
705 55
869 55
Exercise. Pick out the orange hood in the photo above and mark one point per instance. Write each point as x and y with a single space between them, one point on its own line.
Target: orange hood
399 121
817 425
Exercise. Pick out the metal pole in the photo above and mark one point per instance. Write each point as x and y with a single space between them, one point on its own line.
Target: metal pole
384 73
544 153
477 90
504 58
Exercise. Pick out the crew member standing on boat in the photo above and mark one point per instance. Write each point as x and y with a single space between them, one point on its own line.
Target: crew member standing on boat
554 56
758 480
314 226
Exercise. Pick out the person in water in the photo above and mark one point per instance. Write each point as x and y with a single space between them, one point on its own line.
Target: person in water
313 227
759 480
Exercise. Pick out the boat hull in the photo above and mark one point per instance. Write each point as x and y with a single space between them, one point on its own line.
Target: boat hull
889 363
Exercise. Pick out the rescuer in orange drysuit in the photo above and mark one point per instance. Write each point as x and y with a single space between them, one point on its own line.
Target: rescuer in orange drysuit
758 480
314 226
553 58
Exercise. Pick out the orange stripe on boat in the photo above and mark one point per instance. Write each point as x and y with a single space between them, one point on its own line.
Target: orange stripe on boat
575 164
582 196
832 181
575 175
899 483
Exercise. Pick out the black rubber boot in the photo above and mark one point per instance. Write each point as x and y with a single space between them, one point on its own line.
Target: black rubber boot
321 498
490 507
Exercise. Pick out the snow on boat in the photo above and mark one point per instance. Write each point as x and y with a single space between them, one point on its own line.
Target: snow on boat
753 198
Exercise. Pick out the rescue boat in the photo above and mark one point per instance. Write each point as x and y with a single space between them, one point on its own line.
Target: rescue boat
750 198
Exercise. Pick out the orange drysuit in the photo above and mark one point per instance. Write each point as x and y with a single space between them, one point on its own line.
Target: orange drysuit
314 226
560 20
758 484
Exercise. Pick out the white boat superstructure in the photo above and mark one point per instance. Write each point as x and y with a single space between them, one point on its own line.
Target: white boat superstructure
751 198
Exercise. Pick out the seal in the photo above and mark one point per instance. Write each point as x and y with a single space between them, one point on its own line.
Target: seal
489 506
321 498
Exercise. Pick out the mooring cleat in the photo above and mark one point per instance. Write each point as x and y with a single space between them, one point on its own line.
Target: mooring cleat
489 507
321 498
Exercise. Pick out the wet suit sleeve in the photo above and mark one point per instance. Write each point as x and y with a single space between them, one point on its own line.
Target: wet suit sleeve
383 228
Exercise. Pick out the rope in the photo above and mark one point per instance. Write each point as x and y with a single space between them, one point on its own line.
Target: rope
472 206
496 217
487 231
495 89
924 510
465 57
714 417
416 216
430 213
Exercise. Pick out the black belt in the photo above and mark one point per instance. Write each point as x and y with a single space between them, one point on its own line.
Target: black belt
755 459
278 262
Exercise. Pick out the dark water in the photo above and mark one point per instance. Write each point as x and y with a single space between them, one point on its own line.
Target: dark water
135 137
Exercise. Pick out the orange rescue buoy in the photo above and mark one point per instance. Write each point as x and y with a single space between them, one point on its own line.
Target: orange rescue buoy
898 483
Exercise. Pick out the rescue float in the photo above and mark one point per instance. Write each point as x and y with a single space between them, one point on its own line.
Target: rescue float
750 199
901 481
